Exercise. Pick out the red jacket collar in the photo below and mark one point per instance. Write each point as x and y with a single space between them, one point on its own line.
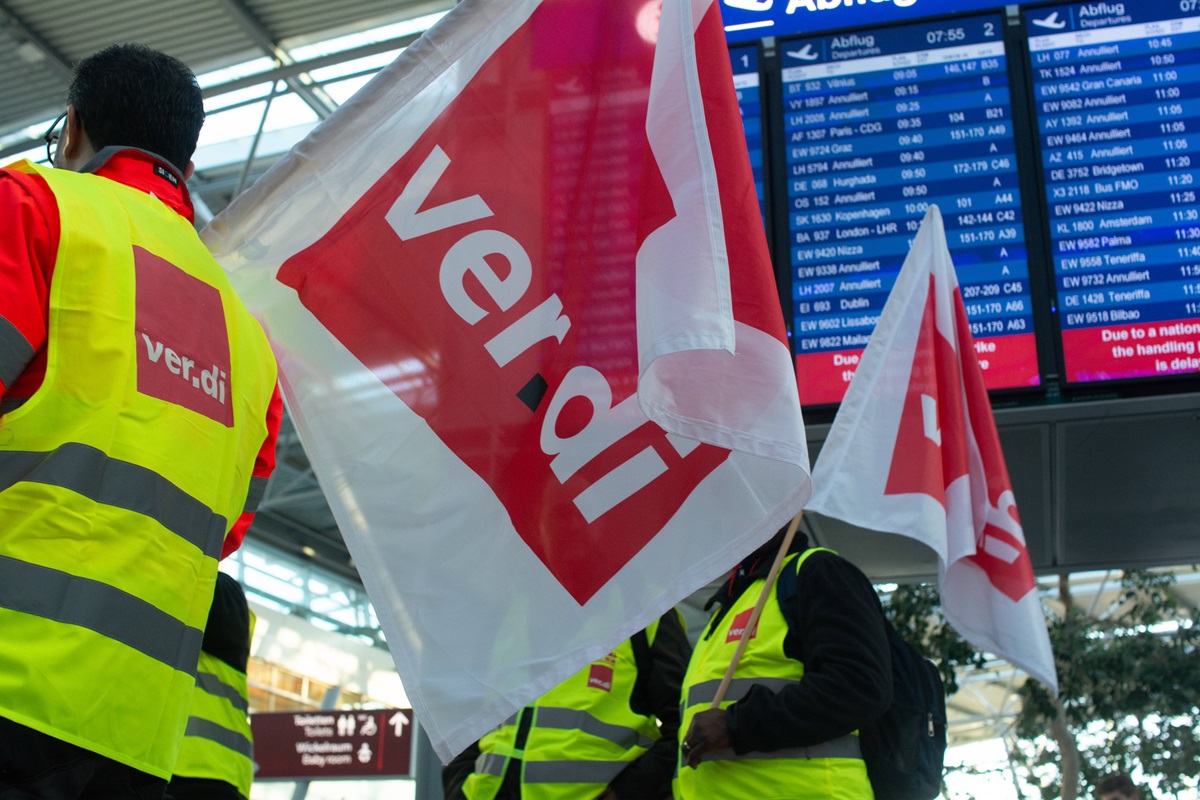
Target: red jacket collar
146 172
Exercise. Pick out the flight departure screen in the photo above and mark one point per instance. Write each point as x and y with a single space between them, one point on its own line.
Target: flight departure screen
749 94
879 125
1117 90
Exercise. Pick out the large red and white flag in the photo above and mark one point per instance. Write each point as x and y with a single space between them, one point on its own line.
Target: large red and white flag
914 450
529 333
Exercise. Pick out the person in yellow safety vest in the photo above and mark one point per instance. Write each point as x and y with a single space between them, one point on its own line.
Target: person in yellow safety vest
609 731
816 668
140 411
216 758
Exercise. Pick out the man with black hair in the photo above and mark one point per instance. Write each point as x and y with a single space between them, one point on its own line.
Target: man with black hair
216 758
139 417
816 668
131 96
609 732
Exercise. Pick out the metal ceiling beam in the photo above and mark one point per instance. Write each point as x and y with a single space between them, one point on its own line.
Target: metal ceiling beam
197 186
51 57
301 84
274 74
284 72
286 499
292 537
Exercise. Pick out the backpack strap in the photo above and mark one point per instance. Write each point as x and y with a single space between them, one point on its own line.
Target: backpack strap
640 643
785 586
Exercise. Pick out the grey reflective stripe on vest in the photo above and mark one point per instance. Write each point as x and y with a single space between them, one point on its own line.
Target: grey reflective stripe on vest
231 740
218 688
738 688
89 472
56 595
571 719
842 747
490 764
598 772
15 352
254 496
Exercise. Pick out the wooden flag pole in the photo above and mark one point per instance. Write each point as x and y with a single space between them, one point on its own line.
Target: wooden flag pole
758 607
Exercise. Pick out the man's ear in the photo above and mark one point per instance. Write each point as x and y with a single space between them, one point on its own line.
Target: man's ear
74 146
189 170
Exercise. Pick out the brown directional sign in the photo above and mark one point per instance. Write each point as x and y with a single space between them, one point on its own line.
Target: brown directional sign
332 744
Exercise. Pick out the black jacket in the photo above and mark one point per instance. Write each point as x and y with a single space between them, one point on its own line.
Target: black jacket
227 632
838 632
655 692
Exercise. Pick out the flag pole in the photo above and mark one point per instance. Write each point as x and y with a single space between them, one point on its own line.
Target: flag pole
758 607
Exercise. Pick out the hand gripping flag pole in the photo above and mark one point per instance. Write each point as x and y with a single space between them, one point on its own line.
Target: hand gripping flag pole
752 623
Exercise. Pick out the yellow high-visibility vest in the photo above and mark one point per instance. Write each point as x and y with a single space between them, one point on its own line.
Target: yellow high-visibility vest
122 474
832 770
582 734
217 743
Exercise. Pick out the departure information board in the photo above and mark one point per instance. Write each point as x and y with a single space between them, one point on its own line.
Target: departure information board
879 125
747 81
1117 92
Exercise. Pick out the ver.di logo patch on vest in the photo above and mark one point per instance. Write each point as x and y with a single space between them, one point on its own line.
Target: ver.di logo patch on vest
182 342
739 624
600 677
